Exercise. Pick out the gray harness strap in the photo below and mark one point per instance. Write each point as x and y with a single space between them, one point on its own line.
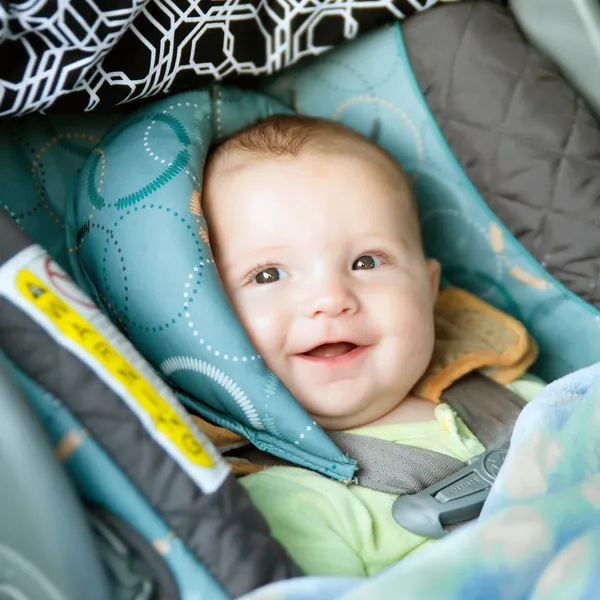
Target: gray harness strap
487 408
395 468
490 411
436 492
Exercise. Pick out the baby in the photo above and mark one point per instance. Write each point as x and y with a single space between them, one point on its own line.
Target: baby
316 236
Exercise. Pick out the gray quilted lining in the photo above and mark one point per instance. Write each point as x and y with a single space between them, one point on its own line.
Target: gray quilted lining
525 139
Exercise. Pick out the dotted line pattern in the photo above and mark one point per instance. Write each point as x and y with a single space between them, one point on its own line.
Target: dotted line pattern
194 290
102 169
152 153
189 290
303 435
209 347
338 64
218 104
375 100
105 300
9 210
39 176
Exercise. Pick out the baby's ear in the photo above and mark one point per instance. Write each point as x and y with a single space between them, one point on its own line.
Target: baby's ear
435 272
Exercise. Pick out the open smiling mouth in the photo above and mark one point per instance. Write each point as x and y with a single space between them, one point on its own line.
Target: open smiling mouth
332 350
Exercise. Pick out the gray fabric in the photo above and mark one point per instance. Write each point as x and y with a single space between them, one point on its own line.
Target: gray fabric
488 409
134 567
46 547
525 139
395 468
224 529
12 239
568 31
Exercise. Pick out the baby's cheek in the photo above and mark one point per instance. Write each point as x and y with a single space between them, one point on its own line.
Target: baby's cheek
422 329
413 328
264 324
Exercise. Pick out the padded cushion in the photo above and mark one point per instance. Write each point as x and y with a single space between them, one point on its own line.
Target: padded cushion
142 252
39 160
141 240
525 138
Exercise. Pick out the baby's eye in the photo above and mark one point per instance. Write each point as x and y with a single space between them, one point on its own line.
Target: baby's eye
366 261
270 275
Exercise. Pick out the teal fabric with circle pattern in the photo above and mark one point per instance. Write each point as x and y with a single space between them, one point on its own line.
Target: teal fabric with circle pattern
142 252
142 246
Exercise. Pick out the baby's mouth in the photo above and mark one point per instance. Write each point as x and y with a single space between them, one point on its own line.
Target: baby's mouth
331 350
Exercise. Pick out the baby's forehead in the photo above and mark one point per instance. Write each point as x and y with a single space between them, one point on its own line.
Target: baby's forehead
230 157
352 162
292 187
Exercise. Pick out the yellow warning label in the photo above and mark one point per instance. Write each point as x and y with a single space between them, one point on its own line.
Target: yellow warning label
78 329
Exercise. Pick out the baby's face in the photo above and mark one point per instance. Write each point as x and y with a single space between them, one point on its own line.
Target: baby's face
321 260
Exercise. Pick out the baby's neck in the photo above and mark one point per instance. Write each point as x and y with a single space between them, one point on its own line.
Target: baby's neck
411 410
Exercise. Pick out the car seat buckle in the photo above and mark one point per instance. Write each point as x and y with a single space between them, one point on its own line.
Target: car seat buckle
456 499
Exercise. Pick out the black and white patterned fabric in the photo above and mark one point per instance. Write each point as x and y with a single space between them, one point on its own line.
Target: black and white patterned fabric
79 55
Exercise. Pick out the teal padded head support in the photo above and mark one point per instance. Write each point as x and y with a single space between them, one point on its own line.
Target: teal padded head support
143 254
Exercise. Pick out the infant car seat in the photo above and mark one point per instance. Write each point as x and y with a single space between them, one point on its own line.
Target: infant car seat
137 245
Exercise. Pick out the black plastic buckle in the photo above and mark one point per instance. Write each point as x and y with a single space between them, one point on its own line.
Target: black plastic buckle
455 499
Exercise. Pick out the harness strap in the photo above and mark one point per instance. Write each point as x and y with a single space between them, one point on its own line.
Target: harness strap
487 408
490 411
395 468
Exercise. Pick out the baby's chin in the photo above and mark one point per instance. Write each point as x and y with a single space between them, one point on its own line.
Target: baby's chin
340 423
337 412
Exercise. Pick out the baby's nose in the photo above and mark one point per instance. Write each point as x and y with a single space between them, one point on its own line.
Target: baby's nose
332 300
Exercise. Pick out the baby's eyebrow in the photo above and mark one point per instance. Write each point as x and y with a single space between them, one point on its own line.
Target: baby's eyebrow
268 249
375 236
380 238
263 252
257 254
